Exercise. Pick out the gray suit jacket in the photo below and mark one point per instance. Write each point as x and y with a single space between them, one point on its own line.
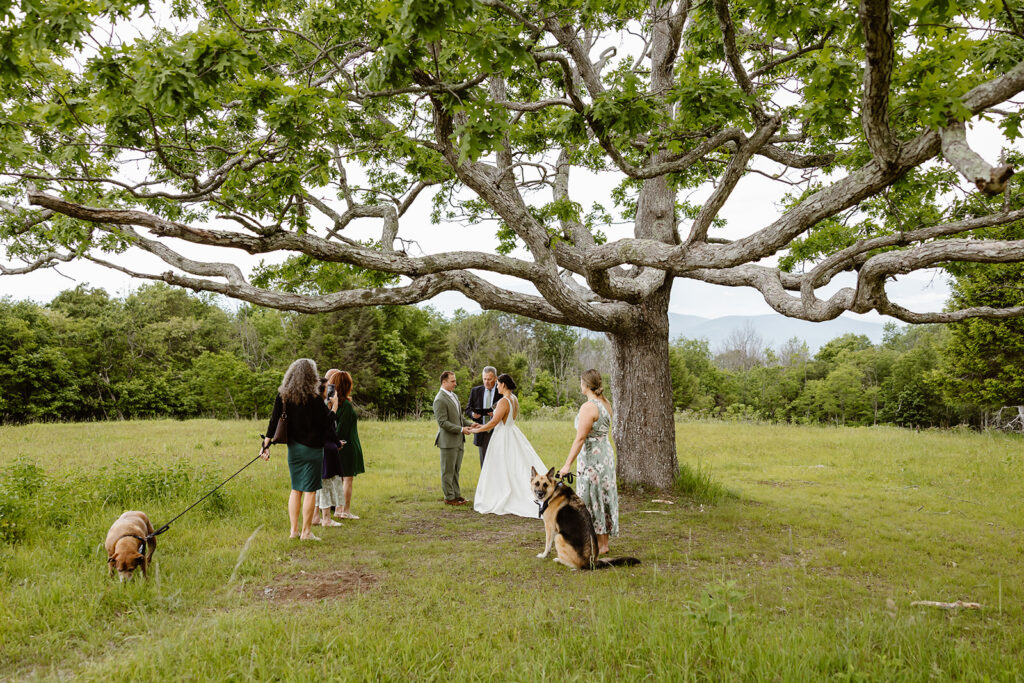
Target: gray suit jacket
450 422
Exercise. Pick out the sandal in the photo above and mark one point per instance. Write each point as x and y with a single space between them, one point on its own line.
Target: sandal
348 515
330 522
311 537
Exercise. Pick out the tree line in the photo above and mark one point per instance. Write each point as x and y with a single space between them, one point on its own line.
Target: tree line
163 352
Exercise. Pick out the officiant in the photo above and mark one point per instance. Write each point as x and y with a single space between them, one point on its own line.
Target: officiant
480 407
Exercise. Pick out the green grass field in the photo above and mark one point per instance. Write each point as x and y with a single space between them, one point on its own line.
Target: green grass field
805 570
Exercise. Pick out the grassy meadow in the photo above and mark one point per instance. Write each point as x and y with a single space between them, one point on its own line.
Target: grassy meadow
789 553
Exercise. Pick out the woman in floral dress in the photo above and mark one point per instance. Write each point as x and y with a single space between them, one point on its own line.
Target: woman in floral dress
595 469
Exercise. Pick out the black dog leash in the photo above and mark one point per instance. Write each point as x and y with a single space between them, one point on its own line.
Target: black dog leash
167 526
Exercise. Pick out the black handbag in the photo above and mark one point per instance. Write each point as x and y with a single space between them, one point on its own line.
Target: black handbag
281 431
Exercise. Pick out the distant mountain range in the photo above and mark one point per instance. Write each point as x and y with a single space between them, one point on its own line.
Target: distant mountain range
774 329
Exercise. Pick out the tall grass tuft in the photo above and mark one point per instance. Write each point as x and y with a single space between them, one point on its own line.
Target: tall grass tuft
129 483
697 484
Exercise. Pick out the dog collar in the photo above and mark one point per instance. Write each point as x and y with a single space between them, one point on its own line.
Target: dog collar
544 506
140 539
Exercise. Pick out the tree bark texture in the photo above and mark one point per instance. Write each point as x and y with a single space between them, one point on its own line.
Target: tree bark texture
644 428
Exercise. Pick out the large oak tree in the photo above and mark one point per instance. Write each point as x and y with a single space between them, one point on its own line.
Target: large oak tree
238 124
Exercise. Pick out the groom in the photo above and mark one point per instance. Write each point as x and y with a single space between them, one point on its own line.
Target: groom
482 398
452 428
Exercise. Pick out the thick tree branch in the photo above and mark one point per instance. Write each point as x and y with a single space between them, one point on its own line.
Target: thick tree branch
876 20
307 243
47 260
989 179
732 55
420 289
487 182
857 186
793 160
847 258
733 172
539 104
668 28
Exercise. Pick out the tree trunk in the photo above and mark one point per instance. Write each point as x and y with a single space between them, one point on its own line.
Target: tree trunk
644 428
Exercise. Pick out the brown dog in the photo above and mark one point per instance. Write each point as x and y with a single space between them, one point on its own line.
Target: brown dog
128 541
568 525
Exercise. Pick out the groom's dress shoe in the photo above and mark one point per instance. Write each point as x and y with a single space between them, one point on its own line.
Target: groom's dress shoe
461 501
453 501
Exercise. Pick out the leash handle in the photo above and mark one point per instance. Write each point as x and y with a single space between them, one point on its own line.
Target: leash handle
568 477
167 526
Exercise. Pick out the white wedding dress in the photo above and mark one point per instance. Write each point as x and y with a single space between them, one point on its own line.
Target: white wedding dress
504 486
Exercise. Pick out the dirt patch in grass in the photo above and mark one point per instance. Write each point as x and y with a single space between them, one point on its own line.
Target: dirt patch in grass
312 586
420 526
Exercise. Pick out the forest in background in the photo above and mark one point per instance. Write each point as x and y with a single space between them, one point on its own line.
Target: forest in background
165 352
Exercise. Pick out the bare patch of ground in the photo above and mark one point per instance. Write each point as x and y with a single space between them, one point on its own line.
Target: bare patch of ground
312 586
420 526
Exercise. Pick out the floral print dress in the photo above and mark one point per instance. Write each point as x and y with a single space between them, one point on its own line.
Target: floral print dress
595 469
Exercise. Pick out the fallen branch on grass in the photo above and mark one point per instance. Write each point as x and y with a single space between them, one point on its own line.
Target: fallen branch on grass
948 605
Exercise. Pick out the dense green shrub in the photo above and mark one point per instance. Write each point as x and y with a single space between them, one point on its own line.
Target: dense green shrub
20 485
131 484
31 499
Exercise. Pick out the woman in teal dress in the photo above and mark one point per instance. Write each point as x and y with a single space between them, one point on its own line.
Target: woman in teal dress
351 451
595 469
308 420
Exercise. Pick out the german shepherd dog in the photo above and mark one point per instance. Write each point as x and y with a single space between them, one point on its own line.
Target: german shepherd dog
568 525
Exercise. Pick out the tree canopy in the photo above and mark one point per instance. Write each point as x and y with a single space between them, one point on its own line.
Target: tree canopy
276 126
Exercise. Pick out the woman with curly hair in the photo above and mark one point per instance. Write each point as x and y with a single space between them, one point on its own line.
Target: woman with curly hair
308 420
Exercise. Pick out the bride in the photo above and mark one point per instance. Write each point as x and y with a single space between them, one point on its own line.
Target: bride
504 486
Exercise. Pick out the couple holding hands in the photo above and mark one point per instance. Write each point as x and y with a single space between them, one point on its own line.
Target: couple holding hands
506 455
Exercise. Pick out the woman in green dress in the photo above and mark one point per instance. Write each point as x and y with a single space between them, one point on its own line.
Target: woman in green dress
330 496
308 420
595 470
351 450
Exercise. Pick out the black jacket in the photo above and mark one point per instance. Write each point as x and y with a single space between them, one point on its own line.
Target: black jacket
309 423
474 404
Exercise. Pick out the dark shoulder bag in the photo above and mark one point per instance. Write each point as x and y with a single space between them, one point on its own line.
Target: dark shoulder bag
281 431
